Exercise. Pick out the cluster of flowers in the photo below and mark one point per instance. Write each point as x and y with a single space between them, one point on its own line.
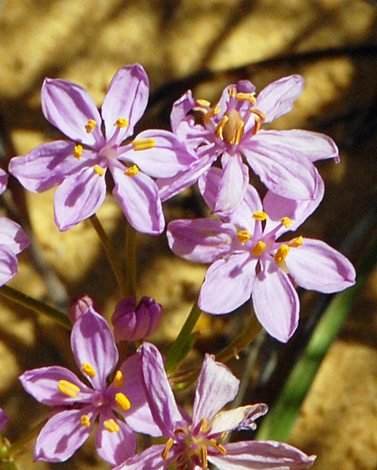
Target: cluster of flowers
240 240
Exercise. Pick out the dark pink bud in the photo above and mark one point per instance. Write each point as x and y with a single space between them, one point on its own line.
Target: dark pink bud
133 322
79 306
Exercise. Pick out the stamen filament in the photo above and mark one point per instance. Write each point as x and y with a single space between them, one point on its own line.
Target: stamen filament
122 401
243 236
88 369
238 133
118 379
220 127
121 122
144 144
204 425
68 388
132 171
281 254
168 446
206 118
258 248
218 446
85 420
111 425
296 242
203 455
90 126
78 152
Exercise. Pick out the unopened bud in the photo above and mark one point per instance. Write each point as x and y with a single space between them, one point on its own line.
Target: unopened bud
133 322
79 306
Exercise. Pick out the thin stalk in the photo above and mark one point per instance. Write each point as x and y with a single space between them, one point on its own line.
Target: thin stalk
131 260
112 255
33 304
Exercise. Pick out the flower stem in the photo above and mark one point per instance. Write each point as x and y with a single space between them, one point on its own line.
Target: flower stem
112 255
184 341
131 260
40 307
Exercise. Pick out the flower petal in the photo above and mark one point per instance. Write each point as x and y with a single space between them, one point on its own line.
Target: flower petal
43 385
181 108
276 302
167 158
150 458
216 387
78 197
69 107
317 266
138 196
62 435
261 455
3 181
8 265
45 166
278 97
241 418
115 447
93 343
281 168
12 236
228 283
160 396
200 240
126 98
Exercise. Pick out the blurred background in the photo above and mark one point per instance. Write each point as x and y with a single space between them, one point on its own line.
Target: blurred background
203 46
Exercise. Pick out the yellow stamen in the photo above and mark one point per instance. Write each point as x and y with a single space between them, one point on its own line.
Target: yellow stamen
111 425
259 119
286 221
260 216
238 133
232 92
132 171
144 144
203 103
258 248
90 126
180 431
206 118
122 401
99 170
218 446
296 242
204 425
118 379
257 125
121 123
281 254
88 369
68 388
246 97
168 446
220 127
78 152
203 455
85 420
243 236
258 113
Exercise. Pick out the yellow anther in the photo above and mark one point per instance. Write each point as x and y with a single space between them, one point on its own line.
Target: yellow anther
168 446
203 103
85 420
121 123
218 446
144 144
132 171
99 170
90 126
295 242
286 221
78 152
68 388
122 401
238 133
204 425
203 456
258 248
220 127
259 119
111 425
88 369
206 118
118 379
232 92
281 254
258 113
260 216
246 97
243 236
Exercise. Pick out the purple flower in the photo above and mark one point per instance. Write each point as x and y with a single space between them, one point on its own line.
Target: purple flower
12 241
79 165
248 259
3 181
119 407
232 130
3 419
194 442
133 322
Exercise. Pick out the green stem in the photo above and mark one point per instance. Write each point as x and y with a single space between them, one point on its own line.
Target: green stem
131 260
40 307
184 341
112 255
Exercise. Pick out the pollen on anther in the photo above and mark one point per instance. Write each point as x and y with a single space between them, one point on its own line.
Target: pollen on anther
88 369
121 123
132 171
90 126
168 446
260 216
286 221
220 127
246 97
111 425
203 103
143 144
118 379
258 248
68 388
99 170
78 152
218 446
122 401
281 254
296 242
232 92
243 236
238 133
203 456
204 425
85 420
215 110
